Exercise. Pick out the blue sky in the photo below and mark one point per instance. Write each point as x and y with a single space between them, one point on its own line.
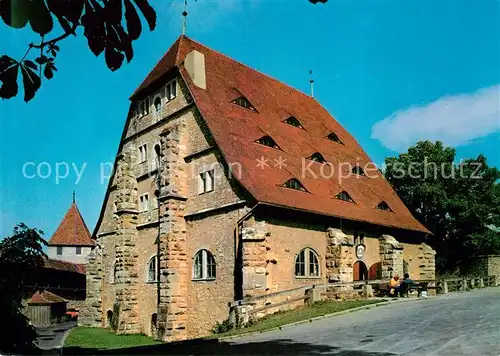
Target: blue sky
391 72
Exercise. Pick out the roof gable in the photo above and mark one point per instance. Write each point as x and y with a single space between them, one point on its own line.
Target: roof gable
72 230
235 131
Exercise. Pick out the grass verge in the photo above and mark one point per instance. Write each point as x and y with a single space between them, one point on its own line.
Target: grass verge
300 314
98 338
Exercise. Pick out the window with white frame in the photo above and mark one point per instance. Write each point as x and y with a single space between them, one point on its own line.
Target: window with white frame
206 182
307 263
143 153
153 269
59 250
204 265
78 250
144 203
171 90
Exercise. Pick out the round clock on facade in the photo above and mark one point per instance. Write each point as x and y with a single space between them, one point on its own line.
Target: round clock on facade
360 251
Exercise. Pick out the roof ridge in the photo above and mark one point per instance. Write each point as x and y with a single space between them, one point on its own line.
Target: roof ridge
251 68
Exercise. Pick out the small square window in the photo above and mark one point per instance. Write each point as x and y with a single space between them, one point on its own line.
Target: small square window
59 250
144 203
78 250
206 182
171 90
143 153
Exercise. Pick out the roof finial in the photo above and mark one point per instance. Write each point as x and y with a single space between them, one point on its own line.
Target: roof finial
74 197
311 81
184 14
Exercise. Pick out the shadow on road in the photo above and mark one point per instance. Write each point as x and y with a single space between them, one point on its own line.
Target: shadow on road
214 347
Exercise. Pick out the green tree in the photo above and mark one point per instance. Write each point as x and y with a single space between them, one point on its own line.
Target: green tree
21 259
459 203
110 26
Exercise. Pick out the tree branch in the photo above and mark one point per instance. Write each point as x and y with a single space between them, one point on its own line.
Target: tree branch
57 39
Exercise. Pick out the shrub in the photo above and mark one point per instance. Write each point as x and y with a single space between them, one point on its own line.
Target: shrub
222 327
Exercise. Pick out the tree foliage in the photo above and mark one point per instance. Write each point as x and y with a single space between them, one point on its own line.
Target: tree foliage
458 202
21 259
110 26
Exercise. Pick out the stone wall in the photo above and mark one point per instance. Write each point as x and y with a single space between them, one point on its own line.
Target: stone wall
91 312
254 258
126 309
173 257
339 256
482 266
391 256
427 262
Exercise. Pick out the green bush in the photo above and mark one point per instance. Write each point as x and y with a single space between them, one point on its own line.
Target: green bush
222 327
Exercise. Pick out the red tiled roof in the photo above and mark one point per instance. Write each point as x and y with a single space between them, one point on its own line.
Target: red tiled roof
235 130
46 297
64 266
72 230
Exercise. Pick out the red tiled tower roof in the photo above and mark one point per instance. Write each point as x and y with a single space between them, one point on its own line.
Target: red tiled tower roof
72 230
235 130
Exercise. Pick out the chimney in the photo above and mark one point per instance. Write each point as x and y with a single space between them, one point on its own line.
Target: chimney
195 66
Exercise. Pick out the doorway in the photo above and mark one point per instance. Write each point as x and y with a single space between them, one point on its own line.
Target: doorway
360 272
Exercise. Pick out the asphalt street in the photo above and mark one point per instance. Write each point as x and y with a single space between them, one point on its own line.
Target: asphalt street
457 324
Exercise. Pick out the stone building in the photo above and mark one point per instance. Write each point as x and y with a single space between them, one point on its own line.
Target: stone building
227 184
71 242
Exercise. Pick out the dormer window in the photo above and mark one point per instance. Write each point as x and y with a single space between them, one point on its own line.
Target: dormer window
333 137
267 141
317 157
294 184
343 195
383 206
243 102
292 120
358 170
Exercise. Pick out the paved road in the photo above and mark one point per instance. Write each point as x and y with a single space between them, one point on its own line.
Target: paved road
458 324
51 337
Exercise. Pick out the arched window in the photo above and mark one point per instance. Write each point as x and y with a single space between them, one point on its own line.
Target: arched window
307 263
156 156
157 104
153 269
204 265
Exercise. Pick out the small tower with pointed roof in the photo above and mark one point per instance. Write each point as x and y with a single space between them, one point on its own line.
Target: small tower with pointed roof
71 241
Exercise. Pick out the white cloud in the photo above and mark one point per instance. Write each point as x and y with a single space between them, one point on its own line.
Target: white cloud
455 120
